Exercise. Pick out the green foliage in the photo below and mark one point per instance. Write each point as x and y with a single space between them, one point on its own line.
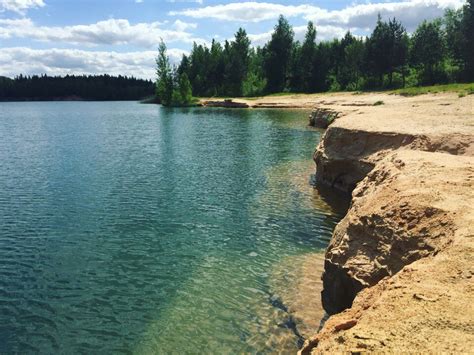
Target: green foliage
428 50
90 87
182 92
454 37
237 63
302 69
419 90
351 62
387 51
467 29
378 49
254 85
164 81
278 55
173 87
438 51
378 103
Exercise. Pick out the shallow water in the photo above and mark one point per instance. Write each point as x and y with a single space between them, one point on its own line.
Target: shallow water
135 228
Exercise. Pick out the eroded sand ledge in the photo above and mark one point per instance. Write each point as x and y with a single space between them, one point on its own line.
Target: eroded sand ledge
405 249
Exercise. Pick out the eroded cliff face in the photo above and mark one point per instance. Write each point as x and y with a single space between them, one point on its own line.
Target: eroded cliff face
400 264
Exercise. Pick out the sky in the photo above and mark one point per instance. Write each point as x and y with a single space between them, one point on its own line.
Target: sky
59 37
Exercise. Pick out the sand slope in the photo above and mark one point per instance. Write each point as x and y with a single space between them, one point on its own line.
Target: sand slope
405 248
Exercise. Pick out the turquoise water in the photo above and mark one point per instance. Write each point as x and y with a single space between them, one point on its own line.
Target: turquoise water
138 229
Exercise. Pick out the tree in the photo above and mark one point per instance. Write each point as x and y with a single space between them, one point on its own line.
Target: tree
344 67
308 52
238 61
255 83
387 50
378 50
295 70
427 50
398 49
184 65
86 87
184 92
233 68
216 68
278 55
467 27
302 59
454 35
164 82
353 61
322 66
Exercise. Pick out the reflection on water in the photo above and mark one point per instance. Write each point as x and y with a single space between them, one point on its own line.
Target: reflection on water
132 228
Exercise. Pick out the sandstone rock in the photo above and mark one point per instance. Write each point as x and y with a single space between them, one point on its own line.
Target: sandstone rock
322 117
397 263
227 103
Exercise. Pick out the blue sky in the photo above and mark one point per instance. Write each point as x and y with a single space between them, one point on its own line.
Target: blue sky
120 37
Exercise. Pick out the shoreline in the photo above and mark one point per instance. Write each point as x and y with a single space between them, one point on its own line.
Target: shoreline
407 162
399 265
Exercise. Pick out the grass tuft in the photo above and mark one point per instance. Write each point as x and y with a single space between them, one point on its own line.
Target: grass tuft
420 90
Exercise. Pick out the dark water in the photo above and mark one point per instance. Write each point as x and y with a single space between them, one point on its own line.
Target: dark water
133 228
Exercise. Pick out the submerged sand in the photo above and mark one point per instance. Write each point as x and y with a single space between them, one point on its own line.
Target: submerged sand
407 239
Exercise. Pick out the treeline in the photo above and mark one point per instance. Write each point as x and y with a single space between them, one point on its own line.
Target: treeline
439 51
91 87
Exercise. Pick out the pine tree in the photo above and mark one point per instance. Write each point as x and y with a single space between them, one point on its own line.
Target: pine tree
398 49
185 91
278 55
427 50
468 34
164 82
378 50
308 52
237 63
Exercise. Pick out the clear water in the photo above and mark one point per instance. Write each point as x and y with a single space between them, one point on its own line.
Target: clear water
138 229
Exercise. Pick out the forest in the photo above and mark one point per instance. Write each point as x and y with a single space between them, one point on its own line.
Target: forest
70 87
438 51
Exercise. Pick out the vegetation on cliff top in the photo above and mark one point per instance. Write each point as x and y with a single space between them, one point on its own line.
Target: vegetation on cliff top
438 52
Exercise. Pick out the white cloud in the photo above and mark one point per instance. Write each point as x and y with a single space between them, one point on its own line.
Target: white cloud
182 26
20 6
323 33
16 60
362 16
107 32
245 11
259 39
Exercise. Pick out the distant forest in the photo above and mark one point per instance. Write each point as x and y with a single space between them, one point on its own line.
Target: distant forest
70 87
439 51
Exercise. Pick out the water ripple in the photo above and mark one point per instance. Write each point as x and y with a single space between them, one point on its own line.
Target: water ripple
133 228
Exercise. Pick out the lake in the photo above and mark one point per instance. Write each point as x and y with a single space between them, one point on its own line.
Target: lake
138 229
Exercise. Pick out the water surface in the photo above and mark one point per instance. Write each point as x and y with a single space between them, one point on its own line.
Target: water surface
134 228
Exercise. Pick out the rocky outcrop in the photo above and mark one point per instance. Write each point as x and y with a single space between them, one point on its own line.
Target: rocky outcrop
227 103
399 265
322 117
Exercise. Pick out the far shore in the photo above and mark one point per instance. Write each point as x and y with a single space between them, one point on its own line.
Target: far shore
341 100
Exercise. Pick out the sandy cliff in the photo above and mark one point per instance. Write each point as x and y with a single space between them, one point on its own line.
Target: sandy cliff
400 265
